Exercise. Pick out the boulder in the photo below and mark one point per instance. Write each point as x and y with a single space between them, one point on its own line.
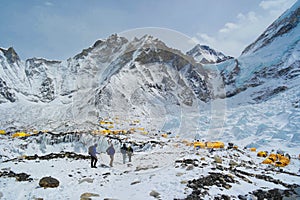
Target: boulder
49 182
232 163
190 167
218 159
154 194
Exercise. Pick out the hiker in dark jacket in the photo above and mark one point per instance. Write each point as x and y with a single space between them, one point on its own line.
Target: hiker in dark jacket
111 152
124 152
129 153
92 153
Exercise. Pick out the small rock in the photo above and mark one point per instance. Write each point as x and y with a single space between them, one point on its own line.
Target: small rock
227 186
184 182
179 174
87 195
135 182
23 177
190 167
154 194
106 174
49 182
88 180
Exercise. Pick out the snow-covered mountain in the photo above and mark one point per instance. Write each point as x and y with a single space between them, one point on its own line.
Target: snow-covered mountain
115 75
206 55
271 63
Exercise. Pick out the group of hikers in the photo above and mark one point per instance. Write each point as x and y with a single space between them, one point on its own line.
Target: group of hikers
125 151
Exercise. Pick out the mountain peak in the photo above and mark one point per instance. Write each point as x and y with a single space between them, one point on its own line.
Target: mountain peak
10 54
204 54
112 41
148 41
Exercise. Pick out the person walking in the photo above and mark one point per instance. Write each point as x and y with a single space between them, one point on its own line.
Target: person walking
124 152
111 152
92 153
129 153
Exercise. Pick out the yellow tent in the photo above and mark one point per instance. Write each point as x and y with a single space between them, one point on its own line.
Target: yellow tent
20 134
273 156
199 144
104 132
105 122
2 132
214 145
253 149
284 161
262 154
267 161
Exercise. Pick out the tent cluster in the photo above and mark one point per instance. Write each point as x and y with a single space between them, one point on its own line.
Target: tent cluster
109 124
278 159
117 132
209 145
108 131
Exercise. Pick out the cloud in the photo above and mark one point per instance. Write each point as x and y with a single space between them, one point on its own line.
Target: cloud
234 36
48 3
228 27
205 37
271 4
276 7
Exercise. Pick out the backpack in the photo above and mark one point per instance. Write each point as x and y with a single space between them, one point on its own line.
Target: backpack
130 150
110 151
90 150
123 150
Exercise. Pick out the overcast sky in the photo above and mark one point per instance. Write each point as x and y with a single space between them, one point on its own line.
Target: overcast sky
59 29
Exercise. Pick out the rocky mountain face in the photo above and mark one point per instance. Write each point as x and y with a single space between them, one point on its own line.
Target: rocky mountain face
270 63
114 75
206 55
